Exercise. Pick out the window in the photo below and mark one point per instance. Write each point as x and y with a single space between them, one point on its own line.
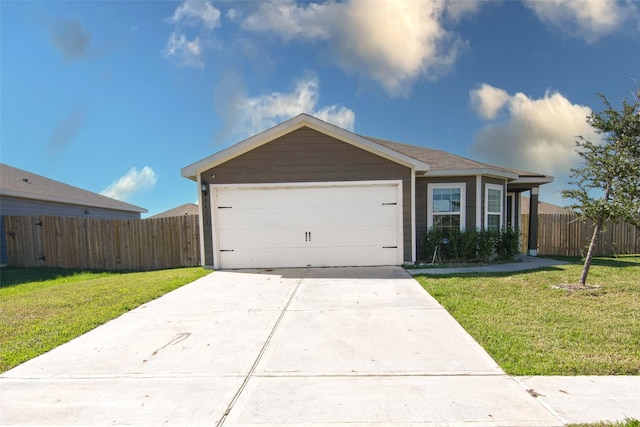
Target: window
493 207
446 206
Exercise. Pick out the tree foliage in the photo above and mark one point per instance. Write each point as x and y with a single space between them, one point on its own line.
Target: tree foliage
607 184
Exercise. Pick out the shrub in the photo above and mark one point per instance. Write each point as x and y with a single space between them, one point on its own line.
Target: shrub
432 240
486 244
508 244
470 245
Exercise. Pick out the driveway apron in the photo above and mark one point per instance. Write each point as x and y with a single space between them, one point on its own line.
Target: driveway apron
274 347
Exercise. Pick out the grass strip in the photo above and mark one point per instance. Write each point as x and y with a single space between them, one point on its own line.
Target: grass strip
531 327
629 422
42 308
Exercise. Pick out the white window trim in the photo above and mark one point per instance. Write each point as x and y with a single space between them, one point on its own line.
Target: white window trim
463 201
500 188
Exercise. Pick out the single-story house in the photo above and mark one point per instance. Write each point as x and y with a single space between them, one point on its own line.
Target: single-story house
187 209
309 193
25 193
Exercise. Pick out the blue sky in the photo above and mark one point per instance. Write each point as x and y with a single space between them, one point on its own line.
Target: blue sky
115 97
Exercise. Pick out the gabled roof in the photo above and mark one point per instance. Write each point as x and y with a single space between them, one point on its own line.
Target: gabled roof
425 161
16 182
183 210
300 121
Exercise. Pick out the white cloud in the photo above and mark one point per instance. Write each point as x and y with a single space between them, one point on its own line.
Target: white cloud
488 100
458 9
290 20
249 116
538 135
337 115
393 42
132 182
192 13
183 52
590 19
196 12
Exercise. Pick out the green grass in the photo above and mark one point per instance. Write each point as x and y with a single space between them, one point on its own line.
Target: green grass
629 422
531 328
42 308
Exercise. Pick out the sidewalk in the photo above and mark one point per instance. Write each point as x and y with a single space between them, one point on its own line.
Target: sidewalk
525 263
587 399
572 400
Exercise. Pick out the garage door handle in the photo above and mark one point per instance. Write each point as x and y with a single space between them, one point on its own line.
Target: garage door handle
307 236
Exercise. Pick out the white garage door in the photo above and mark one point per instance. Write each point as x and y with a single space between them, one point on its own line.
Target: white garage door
308 225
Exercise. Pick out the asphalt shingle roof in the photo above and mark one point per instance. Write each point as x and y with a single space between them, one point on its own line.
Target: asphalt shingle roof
16 182
441 160
182 210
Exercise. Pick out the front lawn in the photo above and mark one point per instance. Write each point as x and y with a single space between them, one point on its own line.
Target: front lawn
41 308
530 327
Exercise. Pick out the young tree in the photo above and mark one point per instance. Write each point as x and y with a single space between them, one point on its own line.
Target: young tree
607 185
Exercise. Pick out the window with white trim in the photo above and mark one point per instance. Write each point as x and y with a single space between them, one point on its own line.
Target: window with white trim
446 206
493 206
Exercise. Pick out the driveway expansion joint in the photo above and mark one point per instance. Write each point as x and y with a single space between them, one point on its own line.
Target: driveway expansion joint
262 351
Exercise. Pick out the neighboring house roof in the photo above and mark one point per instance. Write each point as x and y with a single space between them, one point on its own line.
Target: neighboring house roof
425 161
186 209
543 208
19 183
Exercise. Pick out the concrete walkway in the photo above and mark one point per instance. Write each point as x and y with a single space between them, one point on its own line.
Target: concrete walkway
362 346
524 263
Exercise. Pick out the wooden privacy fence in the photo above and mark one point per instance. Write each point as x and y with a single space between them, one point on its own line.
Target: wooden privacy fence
102 244
567 235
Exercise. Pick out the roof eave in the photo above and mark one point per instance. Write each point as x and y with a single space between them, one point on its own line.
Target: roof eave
533 180
469 172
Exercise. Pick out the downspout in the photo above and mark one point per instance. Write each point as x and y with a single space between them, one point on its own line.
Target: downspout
414 241
479 195
533 222
201 219
505 200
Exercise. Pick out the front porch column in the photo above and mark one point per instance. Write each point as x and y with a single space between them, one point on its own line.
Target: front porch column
532 245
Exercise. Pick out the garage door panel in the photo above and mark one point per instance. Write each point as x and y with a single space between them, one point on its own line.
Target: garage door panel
369 217
291 197
307 238
319 225
262 238
258 219
316 257
300 217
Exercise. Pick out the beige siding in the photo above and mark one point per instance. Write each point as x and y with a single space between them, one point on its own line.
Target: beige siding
306 155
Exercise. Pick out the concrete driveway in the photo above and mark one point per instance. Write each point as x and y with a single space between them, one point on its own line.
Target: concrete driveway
281 347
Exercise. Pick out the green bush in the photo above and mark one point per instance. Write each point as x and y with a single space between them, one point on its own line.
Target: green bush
486 246
455 246
508 244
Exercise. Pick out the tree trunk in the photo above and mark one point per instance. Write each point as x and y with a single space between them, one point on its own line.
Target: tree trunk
587 260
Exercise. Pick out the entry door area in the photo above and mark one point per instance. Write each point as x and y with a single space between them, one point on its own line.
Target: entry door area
300 225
